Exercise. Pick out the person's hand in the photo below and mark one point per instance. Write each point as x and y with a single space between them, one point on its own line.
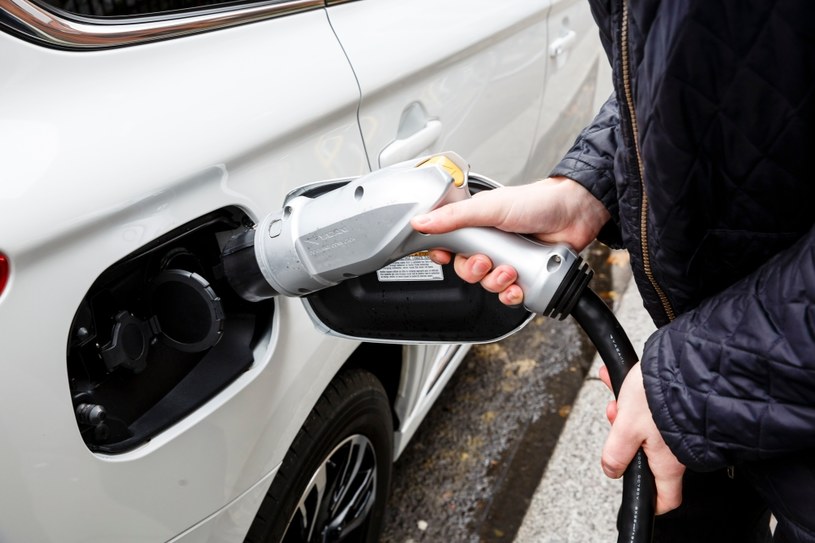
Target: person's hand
632 427
553 210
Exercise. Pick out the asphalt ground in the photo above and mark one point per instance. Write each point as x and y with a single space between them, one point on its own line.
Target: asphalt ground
475 466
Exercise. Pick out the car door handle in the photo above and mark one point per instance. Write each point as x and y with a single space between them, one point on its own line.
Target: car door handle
412 145
562 44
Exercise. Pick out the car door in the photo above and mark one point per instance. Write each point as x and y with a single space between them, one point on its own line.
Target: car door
460 75
576 83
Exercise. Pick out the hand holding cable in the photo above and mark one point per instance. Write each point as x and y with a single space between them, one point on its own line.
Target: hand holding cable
555 217
632 427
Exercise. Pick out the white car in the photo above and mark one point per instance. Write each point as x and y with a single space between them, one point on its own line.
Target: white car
142 400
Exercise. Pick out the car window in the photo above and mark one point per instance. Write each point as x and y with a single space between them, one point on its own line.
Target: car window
103 24
124 8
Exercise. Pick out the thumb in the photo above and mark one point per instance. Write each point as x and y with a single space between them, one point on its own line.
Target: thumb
611 411
618 451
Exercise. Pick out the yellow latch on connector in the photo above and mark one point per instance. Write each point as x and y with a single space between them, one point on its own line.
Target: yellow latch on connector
448 165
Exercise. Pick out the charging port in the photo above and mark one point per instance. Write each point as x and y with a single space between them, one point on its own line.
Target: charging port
158 334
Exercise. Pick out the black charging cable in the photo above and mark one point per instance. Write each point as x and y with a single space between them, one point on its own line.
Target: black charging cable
636 517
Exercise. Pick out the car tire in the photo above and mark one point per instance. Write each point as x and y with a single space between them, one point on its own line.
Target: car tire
333 483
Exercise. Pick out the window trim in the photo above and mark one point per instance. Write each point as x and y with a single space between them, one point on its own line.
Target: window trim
57 29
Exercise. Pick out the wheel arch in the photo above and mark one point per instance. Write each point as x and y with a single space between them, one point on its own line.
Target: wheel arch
385 362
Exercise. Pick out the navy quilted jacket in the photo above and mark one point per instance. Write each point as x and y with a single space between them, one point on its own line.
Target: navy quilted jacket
704 157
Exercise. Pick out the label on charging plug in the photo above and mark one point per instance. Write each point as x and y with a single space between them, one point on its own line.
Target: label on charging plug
415 267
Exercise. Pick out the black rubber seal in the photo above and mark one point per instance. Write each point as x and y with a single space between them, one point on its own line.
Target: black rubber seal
187 310
568 292
241 267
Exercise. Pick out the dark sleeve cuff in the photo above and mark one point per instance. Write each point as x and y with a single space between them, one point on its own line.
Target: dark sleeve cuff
590 162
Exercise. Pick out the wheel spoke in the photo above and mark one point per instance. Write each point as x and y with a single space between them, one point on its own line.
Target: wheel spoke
356 509
351 467
305 518
339 496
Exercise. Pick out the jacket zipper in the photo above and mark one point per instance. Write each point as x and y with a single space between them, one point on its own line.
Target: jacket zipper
629 102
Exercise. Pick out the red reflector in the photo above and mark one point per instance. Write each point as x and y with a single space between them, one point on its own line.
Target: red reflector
3 272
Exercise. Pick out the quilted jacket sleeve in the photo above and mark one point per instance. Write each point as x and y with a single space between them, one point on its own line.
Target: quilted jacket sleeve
590 162
734 379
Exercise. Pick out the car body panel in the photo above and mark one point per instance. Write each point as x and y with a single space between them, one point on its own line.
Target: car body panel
220 131
230 523
426 370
